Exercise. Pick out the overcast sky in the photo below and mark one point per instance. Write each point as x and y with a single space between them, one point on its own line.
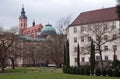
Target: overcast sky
44 11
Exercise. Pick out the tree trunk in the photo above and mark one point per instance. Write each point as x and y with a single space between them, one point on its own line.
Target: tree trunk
78 55
13 63
58 65
3 64
33 62
92 58
101 59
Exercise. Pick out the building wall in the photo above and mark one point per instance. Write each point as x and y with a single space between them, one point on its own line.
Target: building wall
84 56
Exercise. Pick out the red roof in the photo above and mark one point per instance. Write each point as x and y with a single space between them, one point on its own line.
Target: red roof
36 28
96 16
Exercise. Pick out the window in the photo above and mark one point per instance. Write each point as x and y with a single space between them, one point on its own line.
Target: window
75 59
105 48
115 47
96 48
113 25
82 28
83 59
89 39
105 37
98 58
75 49
82 49
105 27
82 38
21 24
97 38
89 48
97 27
75 39
24 24
119 31
75 29
106 58
89 27
114 37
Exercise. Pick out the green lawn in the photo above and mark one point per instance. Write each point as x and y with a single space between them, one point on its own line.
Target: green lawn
44 73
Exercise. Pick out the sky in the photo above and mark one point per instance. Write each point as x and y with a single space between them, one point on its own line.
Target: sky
47 11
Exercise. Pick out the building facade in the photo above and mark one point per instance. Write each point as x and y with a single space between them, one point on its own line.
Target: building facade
100 25
33 31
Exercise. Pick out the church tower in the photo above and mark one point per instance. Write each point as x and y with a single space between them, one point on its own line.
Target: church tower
22 21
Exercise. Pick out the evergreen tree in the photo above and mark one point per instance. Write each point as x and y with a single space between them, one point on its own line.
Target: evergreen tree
118 8
64 55
67 54
92 58
78 55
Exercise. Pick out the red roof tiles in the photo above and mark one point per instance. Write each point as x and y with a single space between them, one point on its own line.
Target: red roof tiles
96 16
36 28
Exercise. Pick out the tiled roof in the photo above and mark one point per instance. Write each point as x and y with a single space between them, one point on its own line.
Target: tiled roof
36 28
96 16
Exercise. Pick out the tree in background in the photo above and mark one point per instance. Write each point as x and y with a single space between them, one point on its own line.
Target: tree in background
118 9
6 40
15 50
78 55
64 55
101 33
62 24
67 54
92 58
54 49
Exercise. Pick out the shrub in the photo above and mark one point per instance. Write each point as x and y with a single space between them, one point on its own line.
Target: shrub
116 73
109 72
82 70
97 72
103 72
86 70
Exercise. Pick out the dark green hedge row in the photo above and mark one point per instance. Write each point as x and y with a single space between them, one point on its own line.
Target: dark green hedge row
85 70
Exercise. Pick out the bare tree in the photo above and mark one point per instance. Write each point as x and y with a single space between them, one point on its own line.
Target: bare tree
54 49
101 33
6 40
15 50
14 29
63 23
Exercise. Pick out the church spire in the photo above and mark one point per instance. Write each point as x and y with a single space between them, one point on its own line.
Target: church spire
33 22
22 16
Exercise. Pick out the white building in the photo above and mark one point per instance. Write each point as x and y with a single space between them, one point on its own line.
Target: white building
102 24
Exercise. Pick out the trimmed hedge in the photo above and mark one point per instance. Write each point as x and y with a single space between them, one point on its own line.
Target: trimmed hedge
77 70
97 71
116 73
103 72
109 72
85 70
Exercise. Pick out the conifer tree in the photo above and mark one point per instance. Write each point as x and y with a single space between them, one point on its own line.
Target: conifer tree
78 55
67 54
92 58
64 55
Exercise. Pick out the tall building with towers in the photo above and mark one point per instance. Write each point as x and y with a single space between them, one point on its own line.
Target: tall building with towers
32 31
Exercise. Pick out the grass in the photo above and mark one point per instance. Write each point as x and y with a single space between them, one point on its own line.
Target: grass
45 73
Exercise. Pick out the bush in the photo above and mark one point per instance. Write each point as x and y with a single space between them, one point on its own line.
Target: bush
87 70
103 72
82 70
109 72
116 73
97 72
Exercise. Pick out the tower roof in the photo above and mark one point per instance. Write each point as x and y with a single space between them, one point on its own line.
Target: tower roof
23 16
48 30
